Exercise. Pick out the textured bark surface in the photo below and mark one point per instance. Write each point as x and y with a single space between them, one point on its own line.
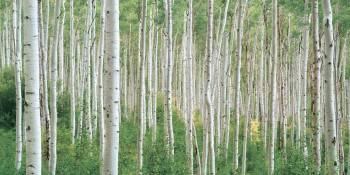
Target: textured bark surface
32 85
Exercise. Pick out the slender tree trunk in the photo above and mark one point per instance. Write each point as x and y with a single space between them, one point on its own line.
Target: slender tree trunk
273 108
111 88
61 49
241 7
44 68
209 90
303 77
155 77
17 25
168 103
316 106
72 71
330 132
100 82
142 56
93 71
53 92
150 67
32 83
189 85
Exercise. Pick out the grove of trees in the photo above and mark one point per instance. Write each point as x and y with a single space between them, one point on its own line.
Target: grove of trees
174 87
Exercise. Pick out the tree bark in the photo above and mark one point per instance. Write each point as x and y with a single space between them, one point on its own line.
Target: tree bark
330 132
316 106
111 88
17 27
53 92
273 109
32 85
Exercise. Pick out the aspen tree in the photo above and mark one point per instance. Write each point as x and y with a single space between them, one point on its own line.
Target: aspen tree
189 85
53 91
262 85
241 6
60 52
155 77
93 71
330 116
316 106
168 103
87 66
150 67
273 109
32 85
17 25
111 88
142 118
72 70
304 61
100 80
209 90
45 71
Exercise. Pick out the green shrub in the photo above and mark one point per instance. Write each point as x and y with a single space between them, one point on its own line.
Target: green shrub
7 98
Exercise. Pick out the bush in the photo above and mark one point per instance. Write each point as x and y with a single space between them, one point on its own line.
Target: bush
7 98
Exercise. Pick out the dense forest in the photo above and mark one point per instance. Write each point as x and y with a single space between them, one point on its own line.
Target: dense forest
177 87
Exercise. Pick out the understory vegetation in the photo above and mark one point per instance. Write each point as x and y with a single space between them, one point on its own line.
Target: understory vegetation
83 157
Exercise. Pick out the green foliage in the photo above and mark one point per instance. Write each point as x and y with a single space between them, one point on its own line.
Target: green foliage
7 98
63 109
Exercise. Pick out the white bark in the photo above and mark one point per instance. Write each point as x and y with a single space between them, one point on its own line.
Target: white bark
32 85
17 26
189 86
142 118
316 106
155 79
111 79
168 103
72 71
209 88
100 82
330 132
53 92
93 71
273 103
303 77
241 6
61 49
87 65
150 69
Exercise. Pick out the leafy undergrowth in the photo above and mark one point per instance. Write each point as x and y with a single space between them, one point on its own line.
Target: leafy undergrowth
84 158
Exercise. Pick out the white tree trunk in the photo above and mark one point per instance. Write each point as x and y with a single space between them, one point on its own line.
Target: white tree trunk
273 103
168 103
150 68
61 50
303 77
93 71
155 79
142 57
17 25
330 132
32 85
238 81
100 82
189 86
111 79
72 71
209 88
53 92
316 106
